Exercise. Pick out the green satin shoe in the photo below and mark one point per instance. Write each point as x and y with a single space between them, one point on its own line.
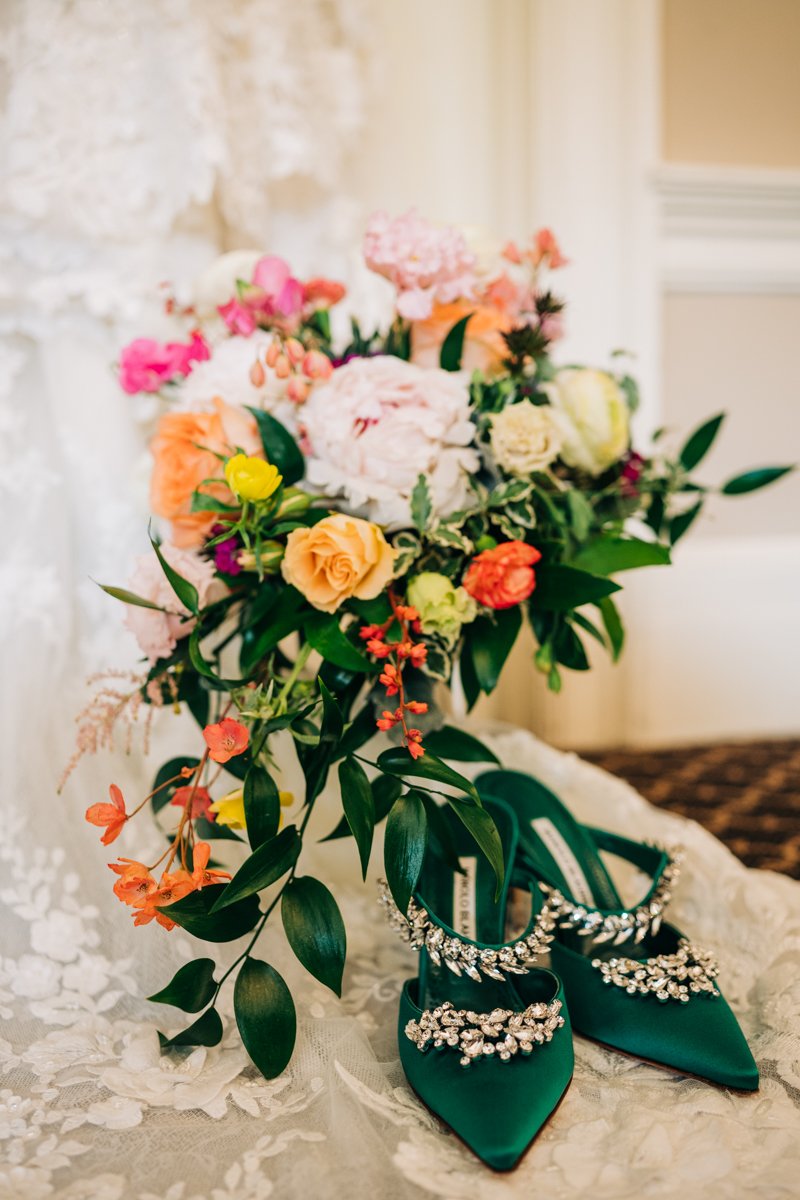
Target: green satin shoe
491 1065
632 981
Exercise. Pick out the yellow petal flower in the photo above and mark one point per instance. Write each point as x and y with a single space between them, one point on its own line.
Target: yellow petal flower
230 809
251 478
286 799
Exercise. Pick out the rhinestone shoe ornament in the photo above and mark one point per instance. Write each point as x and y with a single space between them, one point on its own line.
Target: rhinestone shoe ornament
501 1033
420 931
618 927
679 976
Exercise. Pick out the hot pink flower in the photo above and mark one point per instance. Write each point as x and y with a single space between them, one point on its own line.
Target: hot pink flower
146 365
281 294
424 262
237 317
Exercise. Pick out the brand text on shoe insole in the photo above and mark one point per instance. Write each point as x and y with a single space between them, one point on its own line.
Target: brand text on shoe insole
565 860
464 900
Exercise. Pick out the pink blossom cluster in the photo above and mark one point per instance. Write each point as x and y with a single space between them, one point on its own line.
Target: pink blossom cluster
146 365
425 262
275 296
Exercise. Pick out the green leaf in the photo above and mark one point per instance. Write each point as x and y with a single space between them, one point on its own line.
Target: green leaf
315 930
359 807
451 538
285 614
452 349
398 761
385 790
129 597
750 481
190 988
490 641
449 742
265 1015
697 446
324 634
202 502
404 846
317 759
266 864
568 647
185 591
607 555
262 806
613 626
561 588
469 680
484 831
579 619
679 525
581 513
440 836
169 770
407 550
359 731
195 914
279 446
205 1031
421 506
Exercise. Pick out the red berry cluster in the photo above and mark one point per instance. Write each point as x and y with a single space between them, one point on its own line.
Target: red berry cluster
398 654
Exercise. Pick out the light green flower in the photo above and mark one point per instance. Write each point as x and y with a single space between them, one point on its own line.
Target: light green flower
443 606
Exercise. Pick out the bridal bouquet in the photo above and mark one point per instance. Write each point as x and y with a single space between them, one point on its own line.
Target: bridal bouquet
348 523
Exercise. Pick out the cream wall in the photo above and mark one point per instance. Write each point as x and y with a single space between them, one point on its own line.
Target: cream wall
513 113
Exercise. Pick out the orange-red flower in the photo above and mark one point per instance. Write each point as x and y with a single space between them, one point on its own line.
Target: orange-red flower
112 815
503 576
226 739
135 882
201 801
171 888
201 876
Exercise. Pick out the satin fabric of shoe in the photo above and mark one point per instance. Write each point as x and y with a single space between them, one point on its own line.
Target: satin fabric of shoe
701 1037
497 1107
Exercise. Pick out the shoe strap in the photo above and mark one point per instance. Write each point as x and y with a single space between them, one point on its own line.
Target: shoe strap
420 929
621 924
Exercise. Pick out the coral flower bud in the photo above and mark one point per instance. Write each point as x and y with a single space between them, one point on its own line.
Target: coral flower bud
257 374
283 368
273 351
294 349
317 365
297 390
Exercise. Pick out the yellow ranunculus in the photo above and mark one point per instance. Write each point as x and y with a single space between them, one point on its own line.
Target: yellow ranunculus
252 478
229 809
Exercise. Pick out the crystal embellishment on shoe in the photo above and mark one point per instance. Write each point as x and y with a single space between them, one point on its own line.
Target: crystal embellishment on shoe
620 926
461 957
688 972
501 1033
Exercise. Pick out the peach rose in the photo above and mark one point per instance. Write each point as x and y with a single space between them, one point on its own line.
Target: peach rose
484 347
184 450
337 558
503 576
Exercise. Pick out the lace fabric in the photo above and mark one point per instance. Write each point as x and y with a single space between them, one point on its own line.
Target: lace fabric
137 141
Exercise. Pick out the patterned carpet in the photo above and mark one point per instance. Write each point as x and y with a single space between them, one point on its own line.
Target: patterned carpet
746 793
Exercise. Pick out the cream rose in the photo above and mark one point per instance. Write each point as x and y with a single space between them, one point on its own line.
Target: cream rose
525 437
337 558
594 418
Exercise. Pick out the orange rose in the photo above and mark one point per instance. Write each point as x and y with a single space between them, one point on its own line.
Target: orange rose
502 577
184 449
337 558
484 347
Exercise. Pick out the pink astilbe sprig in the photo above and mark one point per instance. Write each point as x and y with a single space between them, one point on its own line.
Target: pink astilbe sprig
425 262
114 709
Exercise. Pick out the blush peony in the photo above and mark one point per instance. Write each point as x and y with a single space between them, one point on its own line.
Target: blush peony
503 576
379 423
159 632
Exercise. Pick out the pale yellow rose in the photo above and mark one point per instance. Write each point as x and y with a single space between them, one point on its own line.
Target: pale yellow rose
594 418
337 558
525 437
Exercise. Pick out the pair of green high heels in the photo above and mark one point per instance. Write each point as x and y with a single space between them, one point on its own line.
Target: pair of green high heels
485 1034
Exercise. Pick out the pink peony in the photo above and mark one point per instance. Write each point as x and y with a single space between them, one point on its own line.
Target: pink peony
426 264
146 365
158 632
238 318
281 294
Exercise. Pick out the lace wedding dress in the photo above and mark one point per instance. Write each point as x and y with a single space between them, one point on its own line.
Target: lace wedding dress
138 141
